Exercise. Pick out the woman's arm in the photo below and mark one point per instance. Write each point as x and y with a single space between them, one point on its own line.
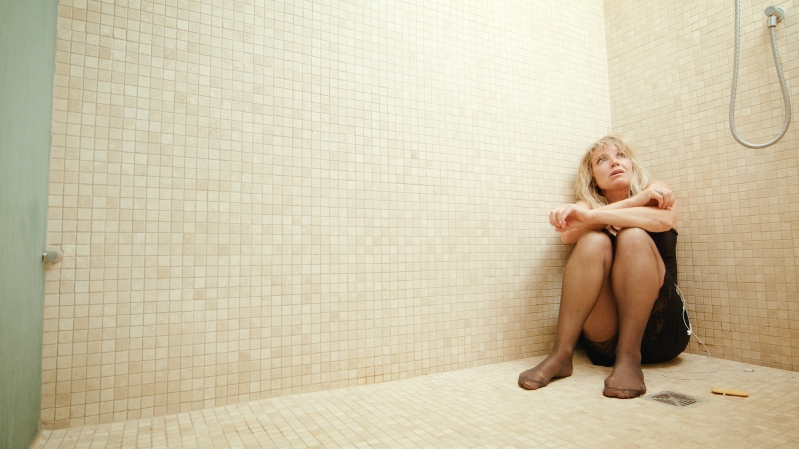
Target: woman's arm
648 218
567 222
658 194
653 210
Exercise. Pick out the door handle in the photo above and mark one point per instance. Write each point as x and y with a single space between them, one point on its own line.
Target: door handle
52 256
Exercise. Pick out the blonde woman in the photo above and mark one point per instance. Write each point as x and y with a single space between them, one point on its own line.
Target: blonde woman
619 292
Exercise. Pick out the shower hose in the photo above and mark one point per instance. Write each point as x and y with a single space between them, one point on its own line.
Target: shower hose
771 11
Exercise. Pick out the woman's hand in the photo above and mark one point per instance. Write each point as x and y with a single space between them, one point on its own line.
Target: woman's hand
569 217
656 195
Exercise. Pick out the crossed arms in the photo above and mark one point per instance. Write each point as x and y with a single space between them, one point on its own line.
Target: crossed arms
653 210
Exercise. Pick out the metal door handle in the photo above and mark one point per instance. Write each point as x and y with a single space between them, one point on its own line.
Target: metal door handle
52 256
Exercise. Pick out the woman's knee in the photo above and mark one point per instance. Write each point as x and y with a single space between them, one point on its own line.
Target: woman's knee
633 239
633 245
595 244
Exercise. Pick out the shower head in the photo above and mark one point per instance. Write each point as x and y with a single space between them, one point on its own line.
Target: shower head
774 15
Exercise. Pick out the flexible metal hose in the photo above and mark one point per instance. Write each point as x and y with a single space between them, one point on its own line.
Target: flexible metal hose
785 94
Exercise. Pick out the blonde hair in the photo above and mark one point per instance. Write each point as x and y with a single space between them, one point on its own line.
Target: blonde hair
586 187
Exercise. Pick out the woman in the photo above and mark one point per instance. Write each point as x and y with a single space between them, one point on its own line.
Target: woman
619 292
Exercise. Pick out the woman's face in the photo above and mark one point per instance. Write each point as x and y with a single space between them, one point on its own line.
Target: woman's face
612 169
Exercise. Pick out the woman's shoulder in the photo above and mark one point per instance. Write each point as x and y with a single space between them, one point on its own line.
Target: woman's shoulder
658 183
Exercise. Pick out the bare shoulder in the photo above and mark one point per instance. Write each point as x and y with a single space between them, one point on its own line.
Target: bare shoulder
660 185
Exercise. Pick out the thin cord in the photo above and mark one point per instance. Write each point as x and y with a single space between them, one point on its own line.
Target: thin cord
709 357
785 95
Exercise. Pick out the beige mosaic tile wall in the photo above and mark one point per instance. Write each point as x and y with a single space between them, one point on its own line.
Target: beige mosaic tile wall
259 198
670 77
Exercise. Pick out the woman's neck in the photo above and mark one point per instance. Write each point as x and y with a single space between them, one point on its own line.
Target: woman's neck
616 195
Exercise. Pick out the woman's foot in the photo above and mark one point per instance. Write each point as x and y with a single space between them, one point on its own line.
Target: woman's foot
552 367
626 381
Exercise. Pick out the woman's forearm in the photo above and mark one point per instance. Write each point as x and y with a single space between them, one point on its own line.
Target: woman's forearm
651 219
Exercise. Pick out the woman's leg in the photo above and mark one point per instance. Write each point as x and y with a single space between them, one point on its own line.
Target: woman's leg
586 302
636 276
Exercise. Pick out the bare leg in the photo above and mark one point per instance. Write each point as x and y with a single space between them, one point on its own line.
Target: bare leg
637 275
585 291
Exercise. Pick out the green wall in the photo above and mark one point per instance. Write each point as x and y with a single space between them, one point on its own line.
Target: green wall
27 64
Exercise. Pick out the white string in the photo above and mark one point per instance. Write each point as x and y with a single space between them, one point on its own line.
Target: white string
709 357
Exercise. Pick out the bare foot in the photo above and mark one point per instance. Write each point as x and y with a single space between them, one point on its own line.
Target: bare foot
553 366
626 381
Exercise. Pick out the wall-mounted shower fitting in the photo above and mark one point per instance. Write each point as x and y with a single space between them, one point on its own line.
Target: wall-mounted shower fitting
775 15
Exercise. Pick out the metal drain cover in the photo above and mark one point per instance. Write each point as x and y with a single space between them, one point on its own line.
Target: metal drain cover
677 399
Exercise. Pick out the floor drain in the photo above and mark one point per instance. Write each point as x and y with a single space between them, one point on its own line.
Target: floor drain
676 399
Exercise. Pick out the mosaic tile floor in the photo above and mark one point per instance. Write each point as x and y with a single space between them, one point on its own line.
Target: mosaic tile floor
483 408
